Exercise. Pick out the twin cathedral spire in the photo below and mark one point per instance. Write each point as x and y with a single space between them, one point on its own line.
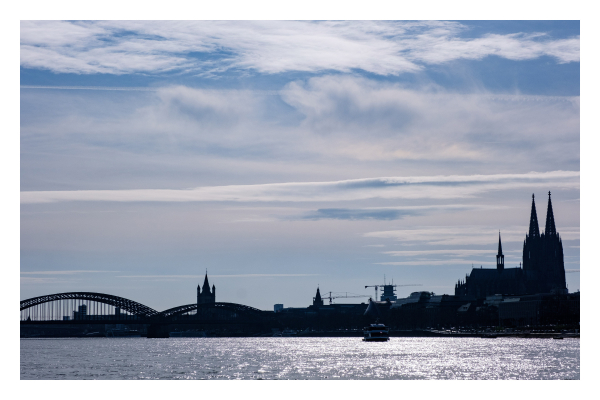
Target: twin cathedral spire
543 253
542 250
542 271
534 229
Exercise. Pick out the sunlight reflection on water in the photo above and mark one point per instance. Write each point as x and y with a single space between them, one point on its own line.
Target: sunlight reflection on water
299 358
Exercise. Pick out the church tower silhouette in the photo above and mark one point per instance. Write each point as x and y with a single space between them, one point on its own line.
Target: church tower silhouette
204 295
499 256
317 300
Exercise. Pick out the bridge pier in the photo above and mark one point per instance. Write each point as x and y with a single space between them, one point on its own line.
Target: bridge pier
158 331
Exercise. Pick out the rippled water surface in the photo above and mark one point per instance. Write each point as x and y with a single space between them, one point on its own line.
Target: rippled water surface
299 358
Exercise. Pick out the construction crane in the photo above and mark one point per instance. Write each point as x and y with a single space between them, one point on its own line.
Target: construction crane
391 287
337 295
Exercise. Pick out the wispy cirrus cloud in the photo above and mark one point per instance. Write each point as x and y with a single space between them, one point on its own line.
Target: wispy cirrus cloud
40 280
269 47
451 252
334 120
440 257
217 276
56 277
108 88
427 187
66 272
429 124
439 262
462 235
385 213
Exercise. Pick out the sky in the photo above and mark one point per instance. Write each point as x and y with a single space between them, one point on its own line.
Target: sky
282 156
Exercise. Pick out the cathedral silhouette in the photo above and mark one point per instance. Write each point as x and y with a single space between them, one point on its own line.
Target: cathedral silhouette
542 271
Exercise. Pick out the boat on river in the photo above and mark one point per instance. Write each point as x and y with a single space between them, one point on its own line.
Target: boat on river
376 333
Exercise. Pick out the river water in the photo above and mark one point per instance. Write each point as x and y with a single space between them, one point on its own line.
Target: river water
299 358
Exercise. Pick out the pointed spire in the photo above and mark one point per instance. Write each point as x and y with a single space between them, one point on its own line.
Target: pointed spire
317 301
499 244
534 228
499 256
550 227
206 286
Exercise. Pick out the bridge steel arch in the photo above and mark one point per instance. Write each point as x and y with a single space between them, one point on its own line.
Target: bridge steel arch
130 306
233 307
176 311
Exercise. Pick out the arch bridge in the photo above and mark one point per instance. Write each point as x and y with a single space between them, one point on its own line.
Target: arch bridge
83 306
214 312
90 307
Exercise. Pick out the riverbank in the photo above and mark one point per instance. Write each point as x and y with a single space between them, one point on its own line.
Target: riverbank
340 333
441 334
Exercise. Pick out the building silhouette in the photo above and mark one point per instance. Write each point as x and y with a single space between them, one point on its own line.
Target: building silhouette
204 295
542 271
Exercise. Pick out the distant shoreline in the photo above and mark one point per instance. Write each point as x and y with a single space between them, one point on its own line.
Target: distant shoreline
449 335
416 333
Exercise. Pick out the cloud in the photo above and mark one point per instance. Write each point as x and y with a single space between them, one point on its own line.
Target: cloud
438 262
172 124
463 235
217 276
447 257
370 120
431 187
269 47
29 280
68 272
383 213
44 277
169 115
203 115
450 256
437 49
453 252
330 121
108 88
357 214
